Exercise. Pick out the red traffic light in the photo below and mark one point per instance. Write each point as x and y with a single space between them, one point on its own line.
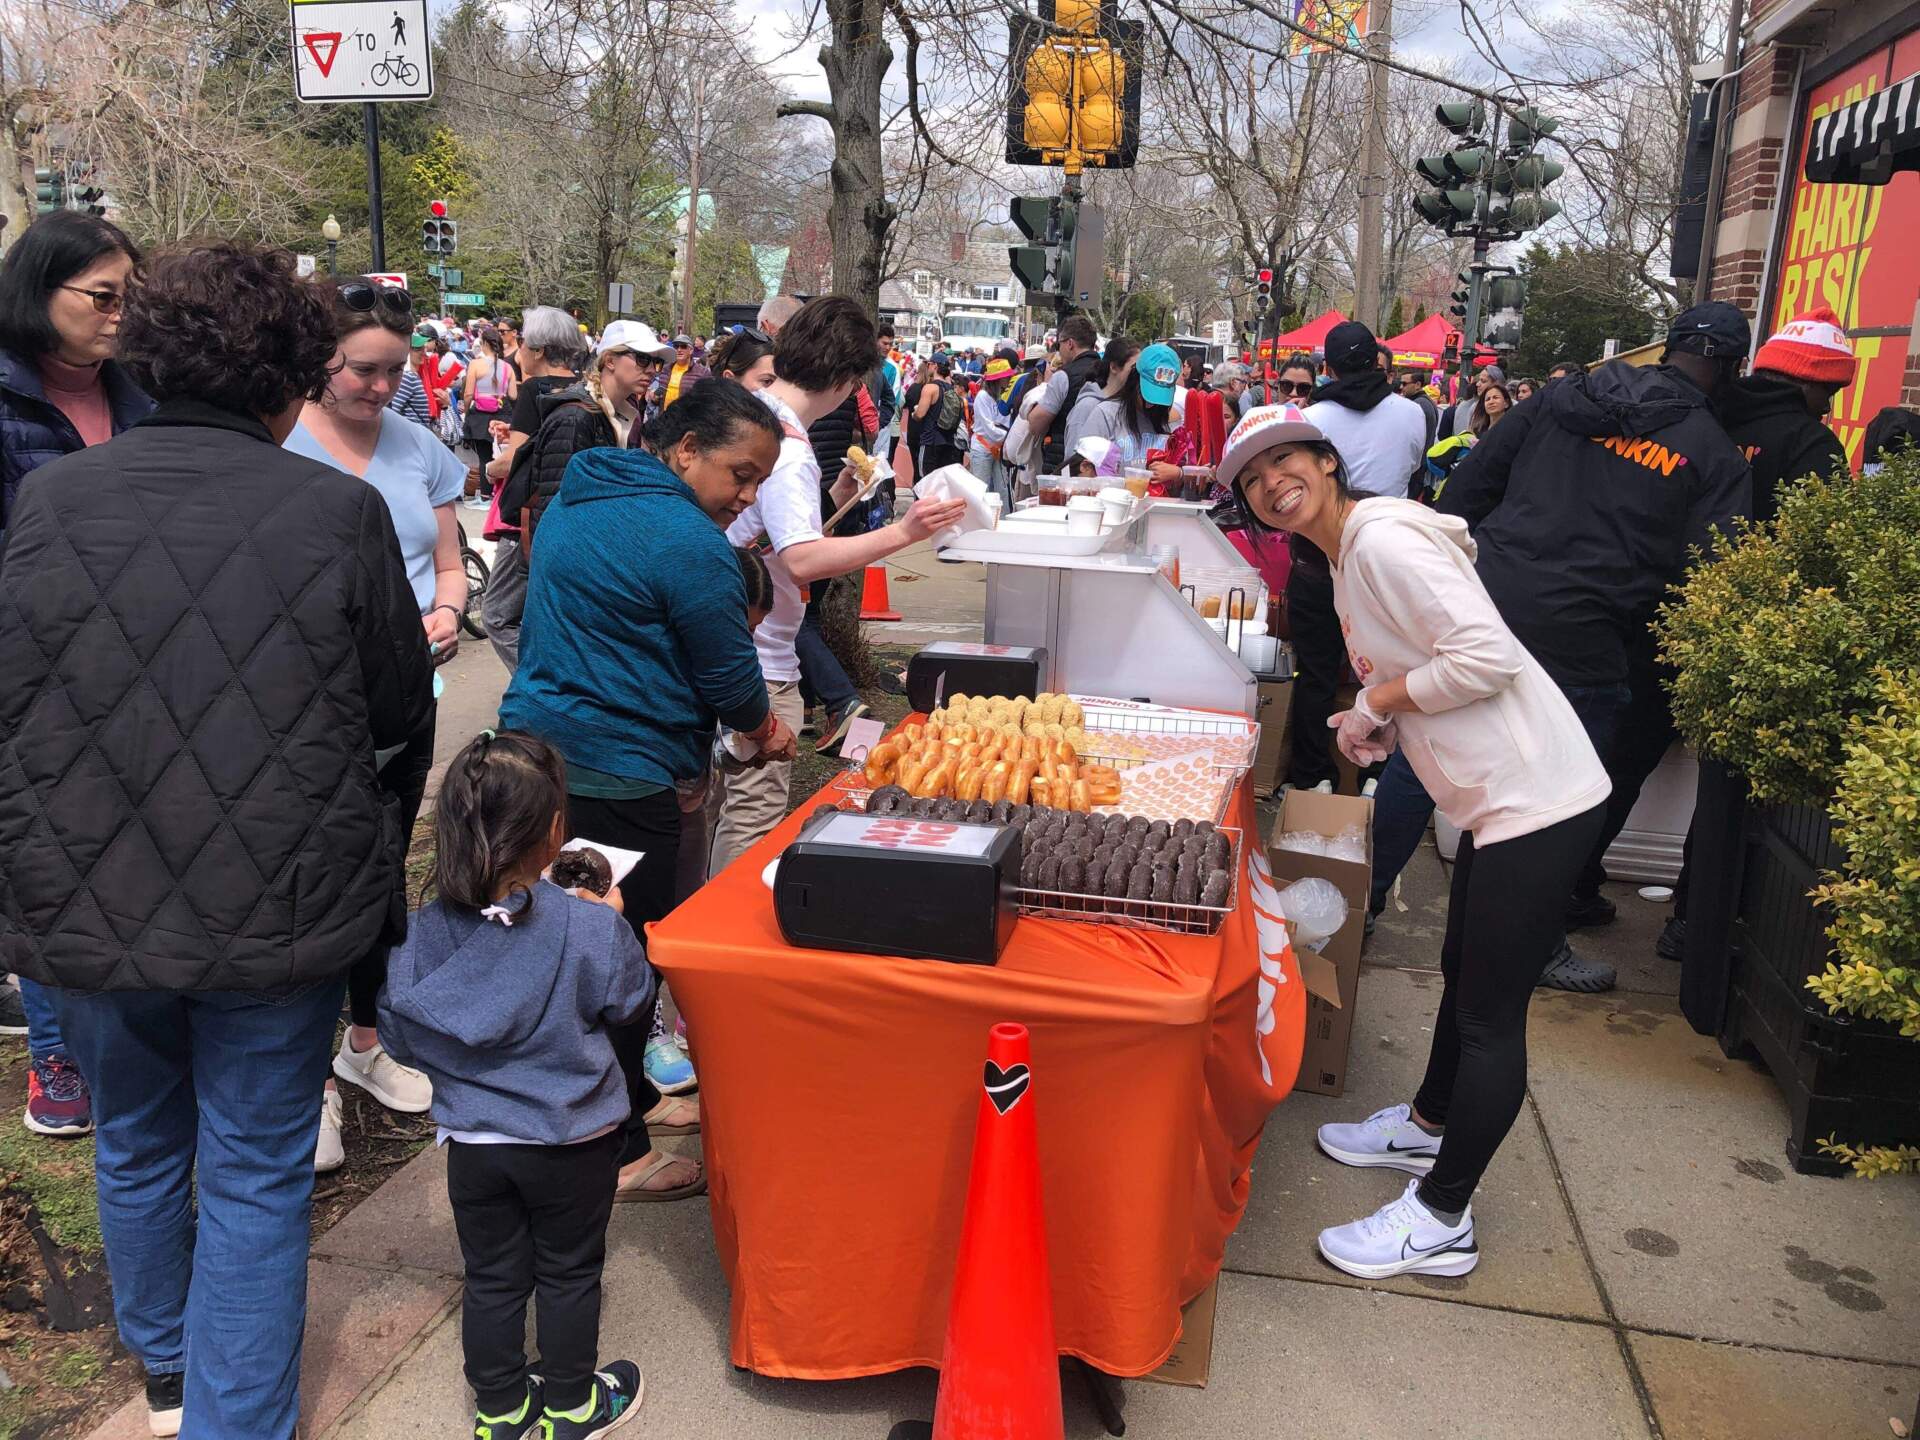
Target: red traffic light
1265 277
437 209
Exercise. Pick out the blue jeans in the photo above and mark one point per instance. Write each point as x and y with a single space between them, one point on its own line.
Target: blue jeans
822 678
43 1021
1402 807
218 1091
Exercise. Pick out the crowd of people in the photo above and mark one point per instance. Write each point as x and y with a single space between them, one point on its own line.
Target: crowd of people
230 565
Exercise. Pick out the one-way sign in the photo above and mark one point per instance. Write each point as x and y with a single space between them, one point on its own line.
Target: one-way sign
353 50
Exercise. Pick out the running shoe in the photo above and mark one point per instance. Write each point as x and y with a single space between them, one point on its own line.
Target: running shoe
668 1068
58 1101
1387 1137
834 730
525 1421
330 1149
617 1391
396 1086
1400 1238
165 1400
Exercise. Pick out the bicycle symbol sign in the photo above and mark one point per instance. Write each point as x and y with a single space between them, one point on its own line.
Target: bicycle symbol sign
353 50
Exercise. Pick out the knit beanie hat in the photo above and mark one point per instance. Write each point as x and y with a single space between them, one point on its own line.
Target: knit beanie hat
1812 347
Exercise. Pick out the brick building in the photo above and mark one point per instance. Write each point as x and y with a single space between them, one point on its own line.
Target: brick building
1785 242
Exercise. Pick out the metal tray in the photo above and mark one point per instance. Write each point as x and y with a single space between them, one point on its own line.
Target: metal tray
1163 916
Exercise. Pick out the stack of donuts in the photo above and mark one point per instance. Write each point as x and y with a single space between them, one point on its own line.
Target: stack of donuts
959 759
1115 857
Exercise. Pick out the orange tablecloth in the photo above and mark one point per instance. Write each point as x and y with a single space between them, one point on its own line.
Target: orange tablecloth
839 1094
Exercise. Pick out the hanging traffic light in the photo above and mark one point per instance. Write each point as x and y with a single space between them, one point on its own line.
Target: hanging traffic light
1263 291
1074 96
1528 172
1462 117
1528 127
439 237
1457 200
50 189
1038 218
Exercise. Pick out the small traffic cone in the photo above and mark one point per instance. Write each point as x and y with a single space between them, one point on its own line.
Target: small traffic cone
874 604
1001 1376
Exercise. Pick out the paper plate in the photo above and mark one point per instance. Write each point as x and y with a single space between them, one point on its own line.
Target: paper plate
773 868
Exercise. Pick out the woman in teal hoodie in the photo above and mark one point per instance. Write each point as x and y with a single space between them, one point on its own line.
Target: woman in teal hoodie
634 645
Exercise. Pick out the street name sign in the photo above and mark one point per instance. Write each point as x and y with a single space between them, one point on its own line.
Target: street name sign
347 51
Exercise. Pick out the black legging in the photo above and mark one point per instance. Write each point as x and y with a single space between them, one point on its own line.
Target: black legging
650 825
1319 652
405 777
1505 912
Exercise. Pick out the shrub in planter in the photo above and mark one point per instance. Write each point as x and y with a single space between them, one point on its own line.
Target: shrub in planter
1876 901
1776 644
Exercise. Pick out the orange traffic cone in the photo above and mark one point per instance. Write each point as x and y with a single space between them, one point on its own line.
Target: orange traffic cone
874 604
1001 1376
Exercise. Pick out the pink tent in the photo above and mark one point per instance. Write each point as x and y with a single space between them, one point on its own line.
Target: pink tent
1424 343
1309 337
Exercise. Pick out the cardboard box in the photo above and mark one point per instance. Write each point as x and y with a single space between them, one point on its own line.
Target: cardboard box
1275 715
1192 1358
1333 976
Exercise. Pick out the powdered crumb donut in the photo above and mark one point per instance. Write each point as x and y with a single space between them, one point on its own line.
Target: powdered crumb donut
1140 882
1050 873
1182 829
1116 880
1186 888
1214 892
1096 877
582 868
1162 885
1073 875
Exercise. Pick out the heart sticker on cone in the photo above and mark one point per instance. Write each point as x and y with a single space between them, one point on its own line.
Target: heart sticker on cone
1005 1087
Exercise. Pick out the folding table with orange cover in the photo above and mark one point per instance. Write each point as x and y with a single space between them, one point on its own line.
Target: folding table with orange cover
839 1095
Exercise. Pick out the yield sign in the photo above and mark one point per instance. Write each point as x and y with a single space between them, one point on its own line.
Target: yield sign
330 40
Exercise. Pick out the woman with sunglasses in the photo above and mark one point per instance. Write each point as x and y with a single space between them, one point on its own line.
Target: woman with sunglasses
60 391
351 429
1297 381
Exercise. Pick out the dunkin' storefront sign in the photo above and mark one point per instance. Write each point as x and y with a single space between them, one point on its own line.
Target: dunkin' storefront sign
1847 243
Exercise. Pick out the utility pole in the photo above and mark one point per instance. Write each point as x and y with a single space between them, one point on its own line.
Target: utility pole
1373 179
693 201
375 218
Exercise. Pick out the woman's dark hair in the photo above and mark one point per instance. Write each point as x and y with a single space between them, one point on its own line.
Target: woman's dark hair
1481 419
739 352
347 320
713 411
490 338
48 254
1140 418
496 807
1120 349
230 324
828 343
758 579
1298 361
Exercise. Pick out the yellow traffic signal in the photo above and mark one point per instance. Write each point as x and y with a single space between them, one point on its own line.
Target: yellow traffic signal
1102 72
1100 125
1080 16
1050 98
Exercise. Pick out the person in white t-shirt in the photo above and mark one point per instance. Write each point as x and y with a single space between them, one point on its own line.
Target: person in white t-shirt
819 356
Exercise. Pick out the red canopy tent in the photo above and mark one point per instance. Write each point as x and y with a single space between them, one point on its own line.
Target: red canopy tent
1309 337
1425 343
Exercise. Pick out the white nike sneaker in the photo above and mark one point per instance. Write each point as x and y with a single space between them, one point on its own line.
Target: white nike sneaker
394 1085
329 1152
1401 1238
1387 1137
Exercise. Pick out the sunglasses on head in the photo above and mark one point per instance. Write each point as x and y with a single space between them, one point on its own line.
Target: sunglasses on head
754 333
361 296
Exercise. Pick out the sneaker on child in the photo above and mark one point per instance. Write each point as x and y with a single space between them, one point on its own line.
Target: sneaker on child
58 1101
1402 1237
668 1067
1387 1137
13 1011
513 1423
394 1085
615 1400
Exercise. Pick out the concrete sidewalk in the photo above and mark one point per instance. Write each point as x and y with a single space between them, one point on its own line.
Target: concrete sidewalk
1651 1271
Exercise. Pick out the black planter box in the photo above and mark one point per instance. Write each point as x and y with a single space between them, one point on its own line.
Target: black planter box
1855 1080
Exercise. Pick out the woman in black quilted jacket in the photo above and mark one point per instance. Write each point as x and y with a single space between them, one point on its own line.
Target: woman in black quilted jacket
205 638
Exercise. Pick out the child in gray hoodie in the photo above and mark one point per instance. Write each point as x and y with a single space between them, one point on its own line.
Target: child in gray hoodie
502 993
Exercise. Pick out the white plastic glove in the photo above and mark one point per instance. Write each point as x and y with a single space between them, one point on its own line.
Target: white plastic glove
1366 737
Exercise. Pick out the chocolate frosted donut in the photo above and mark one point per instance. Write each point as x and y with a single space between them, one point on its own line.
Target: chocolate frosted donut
1140 882
1195 848
1127 856
1203 827
1162 884
1001 812
1095 880
919 806
887 800
1214 892
1157 834
1182 829
1030 865
1050 873
1073 875
1137 828
1116 880
980 812
1219 851
1186 888
582 868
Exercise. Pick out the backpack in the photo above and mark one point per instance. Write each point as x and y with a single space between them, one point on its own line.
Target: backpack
953 409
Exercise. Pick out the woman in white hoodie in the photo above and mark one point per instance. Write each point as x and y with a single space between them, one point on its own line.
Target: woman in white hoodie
1505 758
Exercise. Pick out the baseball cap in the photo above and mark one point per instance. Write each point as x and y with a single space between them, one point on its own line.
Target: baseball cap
419 341
1262 428
1159 371
683 339
634 336
1036 352
1714 329
1350 346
